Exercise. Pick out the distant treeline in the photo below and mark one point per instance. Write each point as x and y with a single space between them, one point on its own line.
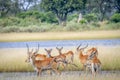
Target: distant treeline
36 13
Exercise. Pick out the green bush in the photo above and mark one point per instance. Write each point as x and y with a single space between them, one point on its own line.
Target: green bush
83 21
72 16
48 17
91 17
115 18
10 21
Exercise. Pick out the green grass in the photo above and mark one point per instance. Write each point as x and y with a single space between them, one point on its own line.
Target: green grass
13 59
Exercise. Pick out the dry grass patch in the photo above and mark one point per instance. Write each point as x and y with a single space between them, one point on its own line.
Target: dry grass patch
6 37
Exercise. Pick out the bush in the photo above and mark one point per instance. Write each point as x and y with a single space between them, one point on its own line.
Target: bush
48 17
72 16
90 17
115 18
10 21
83 21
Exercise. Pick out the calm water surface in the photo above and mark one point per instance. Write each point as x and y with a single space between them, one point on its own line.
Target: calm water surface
54 43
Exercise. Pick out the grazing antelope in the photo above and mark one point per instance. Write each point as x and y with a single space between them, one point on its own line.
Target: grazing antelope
39 65
61 57
37 56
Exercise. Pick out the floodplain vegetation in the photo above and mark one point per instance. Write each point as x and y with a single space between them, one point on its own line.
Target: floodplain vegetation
13 60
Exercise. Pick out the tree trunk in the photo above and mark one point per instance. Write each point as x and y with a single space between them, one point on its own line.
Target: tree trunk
62 19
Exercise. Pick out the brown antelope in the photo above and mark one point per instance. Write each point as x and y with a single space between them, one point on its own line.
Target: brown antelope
69 55
37 56
39 65
93 60
91 51
82 57
61 57
89 61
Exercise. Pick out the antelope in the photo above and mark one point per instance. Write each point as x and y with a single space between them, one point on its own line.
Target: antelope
59 57
37 56
92 50
83 58
39 65
69 55
90 60
94 61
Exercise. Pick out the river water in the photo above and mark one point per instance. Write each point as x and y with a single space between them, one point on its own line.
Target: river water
54 43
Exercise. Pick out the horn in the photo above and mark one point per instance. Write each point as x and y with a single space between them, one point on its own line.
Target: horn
37 49
61 48
27 47
79 46
85 47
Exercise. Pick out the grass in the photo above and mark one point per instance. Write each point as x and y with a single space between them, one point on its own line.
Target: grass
7 37
13 59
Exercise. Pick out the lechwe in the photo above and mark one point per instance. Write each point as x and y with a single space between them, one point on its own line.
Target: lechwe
37 56
90 60
82 57
93 60
60 57
69 56
46 64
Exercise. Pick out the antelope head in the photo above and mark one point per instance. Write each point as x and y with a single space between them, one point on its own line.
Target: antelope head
30 53
78 49
59 50
48 52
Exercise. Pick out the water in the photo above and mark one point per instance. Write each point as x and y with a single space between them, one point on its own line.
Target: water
54 43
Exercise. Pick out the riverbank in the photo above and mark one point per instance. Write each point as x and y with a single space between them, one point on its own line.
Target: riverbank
12 37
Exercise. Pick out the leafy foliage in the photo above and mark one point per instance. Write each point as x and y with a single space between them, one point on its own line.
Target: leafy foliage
61 7
115 18
90 17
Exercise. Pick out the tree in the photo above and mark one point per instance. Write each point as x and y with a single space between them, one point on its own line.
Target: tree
4 7
117 5
61 8
25 4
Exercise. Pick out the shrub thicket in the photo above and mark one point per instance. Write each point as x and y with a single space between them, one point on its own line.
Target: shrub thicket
91 17
115 18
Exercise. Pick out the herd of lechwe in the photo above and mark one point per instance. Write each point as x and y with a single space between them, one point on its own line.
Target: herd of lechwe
40 62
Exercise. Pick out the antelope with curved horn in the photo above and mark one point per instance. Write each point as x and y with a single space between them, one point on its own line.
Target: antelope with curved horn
89 60
39 65
37 56
82 57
